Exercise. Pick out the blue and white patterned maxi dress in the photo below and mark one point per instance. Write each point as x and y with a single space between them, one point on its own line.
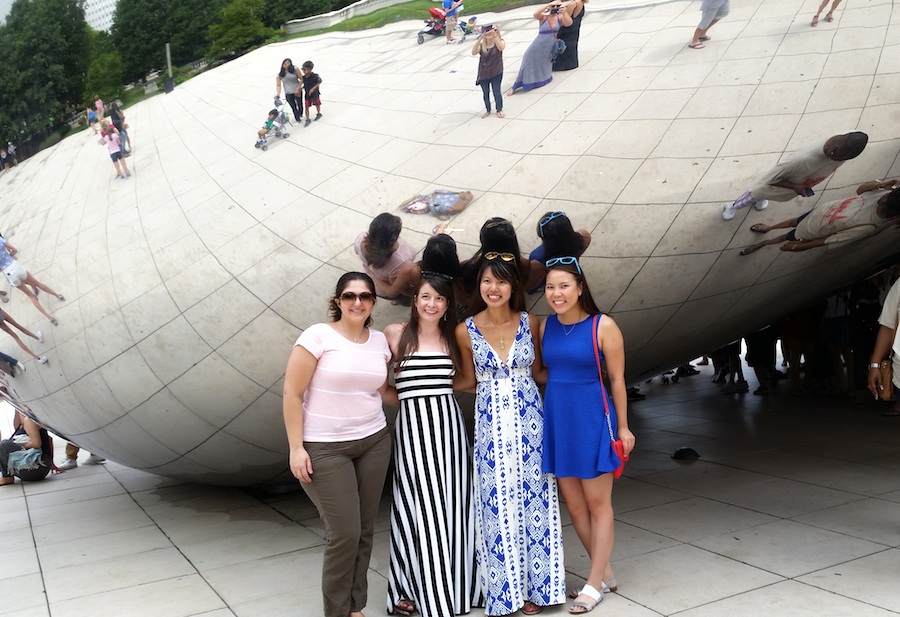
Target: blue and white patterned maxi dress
519 545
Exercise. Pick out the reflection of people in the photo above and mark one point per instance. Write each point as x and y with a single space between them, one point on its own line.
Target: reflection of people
558 238
887 346
451 17
16 274
712 12
829 16
517 516
28 435
568 59
808 167
842 220
5 319
118 120
489 49
432 559
387 257
114 145
574 404
289 77
536 69
339 442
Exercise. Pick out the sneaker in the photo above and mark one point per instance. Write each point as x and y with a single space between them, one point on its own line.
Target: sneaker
42 360
743 386
762 204
69 463
20 367
94 459
40 336
318 116
128 175
731 388
728 211
4 296
307 123
761 390
61 297
53 321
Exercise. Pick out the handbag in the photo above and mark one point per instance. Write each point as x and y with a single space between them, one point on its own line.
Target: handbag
617 445
887 381
559 46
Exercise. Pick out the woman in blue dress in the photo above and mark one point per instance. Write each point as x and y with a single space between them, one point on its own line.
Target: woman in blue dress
577 435
537 65
519 546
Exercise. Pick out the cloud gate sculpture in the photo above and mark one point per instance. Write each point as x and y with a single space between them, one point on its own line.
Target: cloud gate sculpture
188 283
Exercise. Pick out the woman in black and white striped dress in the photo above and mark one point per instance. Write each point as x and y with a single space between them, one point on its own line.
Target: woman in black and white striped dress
432 559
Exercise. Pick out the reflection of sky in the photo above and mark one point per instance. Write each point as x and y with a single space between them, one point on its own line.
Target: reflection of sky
5 6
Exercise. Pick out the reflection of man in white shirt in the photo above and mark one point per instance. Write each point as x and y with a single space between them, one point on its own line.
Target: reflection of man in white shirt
808 167
875 206
886 344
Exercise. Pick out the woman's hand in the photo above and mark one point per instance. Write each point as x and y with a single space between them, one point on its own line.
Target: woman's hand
301 466
627 438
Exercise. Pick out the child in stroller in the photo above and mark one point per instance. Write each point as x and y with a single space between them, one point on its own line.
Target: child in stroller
435 26
274 125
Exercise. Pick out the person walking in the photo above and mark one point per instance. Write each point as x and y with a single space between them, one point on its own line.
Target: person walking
290 78
712 12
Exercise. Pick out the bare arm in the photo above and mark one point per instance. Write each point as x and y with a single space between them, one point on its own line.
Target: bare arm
538 369
499 43
392 333
612 343
32 430
407 278
802 245
883 344
277 85
584 233
465 377
300 368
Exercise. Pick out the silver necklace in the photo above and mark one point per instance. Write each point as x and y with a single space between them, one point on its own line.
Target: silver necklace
347 334
570 329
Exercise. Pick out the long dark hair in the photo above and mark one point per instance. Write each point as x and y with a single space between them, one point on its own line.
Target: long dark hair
507 271
440 256
290 68
586 299
334 305
409 339
384 230
559 237
497 234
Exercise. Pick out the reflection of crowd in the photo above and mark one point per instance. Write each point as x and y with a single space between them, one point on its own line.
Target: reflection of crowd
463 534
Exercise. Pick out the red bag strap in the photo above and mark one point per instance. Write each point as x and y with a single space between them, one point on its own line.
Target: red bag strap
596 345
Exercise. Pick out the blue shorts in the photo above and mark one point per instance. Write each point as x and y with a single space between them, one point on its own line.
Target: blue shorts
792 234
115 156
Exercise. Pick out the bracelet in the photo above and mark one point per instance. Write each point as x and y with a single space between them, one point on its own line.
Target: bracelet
874 365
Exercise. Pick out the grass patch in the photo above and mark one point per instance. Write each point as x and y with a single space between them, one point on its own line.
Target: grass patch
415 10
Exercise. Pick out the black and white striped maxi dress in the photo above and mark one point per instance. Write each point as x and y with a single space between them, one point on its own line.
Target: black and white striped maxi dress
432 559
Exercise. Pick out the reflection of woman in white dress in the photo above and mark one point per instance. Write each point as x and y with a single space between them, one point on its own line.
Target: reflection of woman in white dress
432 559
519 545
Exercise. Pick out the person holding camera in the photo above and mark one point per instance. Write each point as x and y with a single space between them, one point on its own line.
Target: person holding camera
537 63
489 48
568 58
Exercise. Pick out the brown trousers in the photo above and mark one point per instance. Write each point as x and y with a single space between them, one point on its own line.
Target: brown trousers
348 479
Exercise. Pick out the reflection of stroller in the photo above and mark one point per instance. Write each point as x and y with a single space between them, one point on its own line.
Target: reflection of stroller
435 25
279 124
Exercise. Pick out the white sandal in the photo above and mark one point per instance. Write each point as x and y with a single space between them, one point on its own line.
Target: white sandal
590 592
610 586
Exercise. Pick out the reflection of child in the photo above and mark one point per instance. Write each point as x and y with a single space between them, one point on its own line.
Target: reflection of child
112 141
270 121
311 83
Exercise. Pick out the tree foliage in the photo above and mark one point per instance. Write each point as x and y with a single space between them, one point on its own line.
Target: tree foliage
46 56
141 29
239 29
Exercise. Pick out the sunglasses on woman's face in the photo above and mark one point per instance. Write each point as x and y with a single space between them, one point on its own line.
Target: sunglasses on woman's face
550 217
566 261
491 256
349 296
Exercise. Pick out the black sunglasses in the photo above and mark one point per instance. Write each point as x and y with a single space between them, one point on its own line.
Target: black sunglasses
366 296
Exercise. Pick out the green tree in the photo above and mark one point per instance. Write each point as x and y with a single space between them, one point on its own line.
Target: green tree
277 12
105 72
46 55
141 29
240 28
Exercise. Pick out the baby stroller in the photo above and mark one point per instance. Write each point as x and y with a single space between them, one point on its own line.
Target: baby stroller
433 26
278 126
467 27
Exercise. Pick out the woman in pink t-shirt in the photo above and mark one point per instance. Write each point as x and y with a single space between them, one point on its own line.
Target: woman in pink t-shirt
339 442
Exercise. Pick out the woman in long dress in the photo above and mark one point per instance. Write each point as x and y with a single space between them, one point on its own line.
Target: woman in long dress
575 404
519 545
432 558
568 60
537 67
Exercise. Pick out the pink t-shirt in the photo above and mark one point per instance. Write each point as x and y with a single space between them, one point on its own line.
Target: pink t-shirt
342 402
113 143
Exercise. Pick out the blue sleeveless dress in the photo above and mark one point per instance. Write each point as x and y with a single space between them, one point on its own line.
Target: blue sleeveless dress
576 436
519 545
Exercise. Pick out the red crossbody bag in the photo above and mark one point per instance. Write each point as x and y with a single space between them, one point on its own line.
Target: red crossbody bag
617 445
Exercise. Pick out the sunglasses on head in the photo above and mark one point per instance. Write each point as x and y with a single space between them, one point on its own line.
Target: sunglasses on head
492 255
568 260
366 296
550 217
431 274
496 223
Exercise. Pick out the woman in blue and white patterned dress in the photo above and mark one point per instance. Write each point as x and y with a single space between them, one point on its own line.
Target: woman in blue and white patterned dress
519 544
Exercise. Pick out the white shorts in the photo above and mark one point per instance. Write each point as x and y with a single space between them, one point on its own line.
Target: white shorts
16 274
